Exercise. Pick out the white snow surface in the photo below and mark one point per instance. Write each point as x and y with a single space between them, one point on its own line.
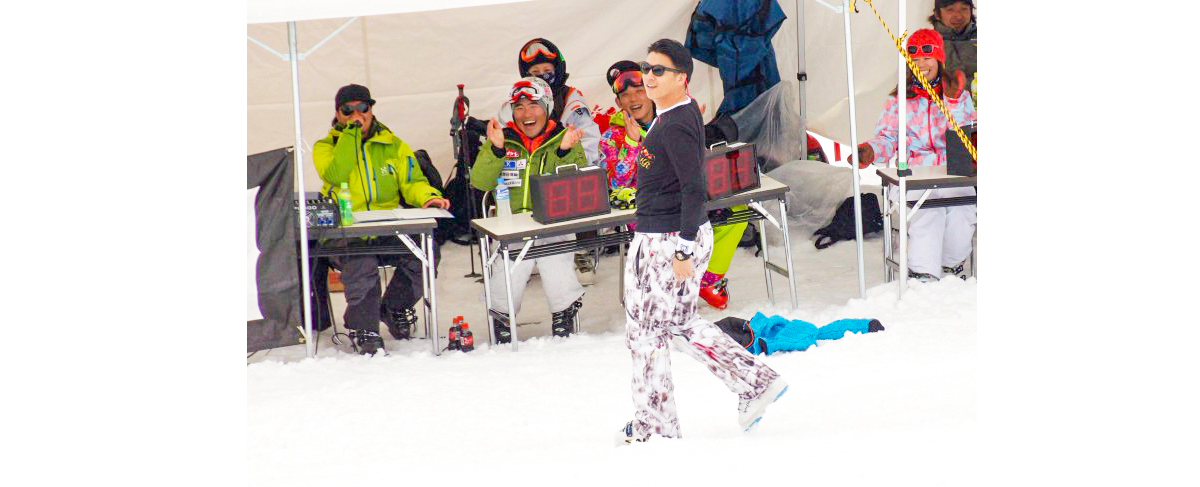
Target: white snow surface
885 408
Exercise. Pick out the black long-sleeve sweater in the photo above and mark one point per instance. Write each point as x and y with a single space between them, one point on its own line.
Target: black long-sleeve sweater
671 187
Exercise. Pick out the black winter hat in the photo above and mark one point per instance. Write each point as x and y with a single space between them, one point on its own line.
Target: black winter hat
947 3
620 67
535 52
352 93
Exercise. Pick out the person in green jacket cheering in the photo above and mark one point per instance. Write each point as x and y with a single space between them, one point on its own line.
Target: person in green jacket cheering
380 169
531 144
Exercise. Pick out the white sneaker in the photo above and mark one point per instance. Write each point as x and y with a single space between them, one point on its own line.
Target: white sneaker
750 412
626 436
585 269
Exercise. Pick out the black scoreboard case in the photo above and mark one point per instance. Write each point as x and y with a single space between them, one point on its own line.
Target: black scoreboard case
539 187
737 156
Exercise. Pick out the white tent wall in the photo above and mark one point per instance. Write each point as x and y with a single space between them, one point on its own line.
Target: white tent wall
875 59
413 61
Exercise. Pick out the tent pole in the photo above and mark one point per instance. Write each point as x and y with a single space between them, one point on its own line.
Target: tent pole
858 235
802 77
902 152
310 342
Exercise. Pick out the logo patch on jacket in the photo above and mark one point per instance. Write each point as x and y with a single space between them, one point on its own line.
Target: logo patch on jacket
515 164
511 154
645 158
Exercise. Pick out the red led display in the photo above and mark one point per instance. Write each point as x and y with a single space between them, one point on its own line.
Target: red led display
570 195
730 171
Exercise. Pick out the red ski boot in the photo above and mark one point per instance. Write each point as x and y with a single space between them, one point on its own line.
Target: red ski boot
717 294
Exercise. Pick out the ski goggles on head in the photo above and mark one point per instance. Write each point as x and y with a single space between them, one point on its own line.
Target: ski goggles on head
524 89
626 80
350 108
657 69
535 49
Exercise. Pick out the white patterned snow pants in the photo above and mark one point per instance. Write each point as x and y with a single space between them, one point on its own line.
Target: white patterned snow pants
660 310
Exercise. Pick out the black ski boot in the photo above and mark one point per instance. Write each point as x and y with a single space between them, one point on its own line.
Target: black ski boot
366 342
564 321
503 333
400 323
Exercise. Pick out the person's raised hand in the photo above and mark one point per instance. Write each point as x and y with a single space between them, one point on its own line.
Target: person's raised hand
495 133
633 129
570 138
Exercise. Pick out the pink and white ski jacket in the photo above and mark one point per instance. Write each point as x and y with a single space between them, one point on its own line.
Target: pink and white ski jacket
926 129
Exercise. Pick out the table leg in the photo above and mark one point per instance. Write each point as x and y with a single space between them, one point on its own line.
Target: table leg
484 252
888 275
512 310
762 240
431 321
787 251
903 202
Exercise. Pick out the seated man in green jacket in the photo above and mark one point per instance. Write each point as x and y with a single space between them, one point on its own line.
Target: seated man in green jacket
531 144
380 169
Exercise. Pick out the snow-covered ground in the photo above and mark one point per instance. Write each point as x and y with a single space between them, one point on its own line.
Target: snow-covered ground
894 406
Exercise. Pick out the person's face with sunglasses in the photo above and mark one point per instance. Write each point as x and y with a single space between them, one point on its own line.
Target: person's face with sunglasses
664 83
529 116
356 111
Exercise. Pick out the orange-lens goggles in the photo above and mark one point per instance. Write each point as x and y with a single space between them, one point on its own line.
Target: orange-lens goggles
626 80
532 51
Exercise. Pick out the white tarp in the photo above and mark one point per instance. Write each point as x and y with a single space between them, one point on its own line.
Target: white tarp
412 62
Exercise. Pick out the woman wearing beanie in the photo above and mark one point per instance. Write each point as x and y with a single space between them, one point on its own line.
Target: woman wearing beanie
531 144
939 239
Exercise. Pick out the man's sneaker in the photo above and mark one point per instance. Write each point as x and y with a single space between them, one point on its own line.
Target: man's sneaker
750 410
400 323
626 435
563 322
716 295
921 276
954 271
585 269
366 342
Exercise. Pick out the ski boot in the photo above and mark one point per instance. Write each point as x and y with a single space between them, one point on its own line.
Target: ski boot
400 323
366 342
564 321
717 293
921 276
502 331
954 271
585 268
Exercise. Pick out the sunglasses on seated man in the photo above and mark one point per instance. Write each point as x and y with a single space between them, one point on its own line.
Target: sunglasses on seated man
350 108
626 80
657 69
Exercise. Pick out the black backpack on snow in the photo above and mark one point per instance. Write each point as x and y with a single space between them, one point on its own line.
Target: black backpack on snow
842 226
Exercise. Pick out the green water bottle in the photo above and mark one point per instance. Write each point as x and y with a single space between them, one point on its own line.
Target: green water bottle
344 205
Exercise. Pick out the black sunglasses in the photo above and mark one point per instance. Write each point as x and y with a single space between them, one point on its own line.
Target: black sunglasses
657 69
349 108
927 49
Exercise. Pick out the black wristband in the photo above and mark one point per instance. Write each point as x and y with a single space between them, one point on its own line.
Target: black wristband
497 151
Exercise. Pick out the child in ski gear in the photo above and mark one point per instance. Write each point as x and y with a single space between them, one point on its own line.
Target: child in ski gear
672 241
937 237
620 144
529 145
380 169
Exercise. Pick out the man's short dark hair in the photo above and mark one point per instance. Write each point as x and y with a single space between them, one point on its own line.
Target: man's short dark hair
680 56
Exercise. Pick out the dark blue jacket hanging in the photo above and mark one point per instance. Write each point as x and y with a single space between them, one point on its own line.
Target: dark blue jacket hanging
735 37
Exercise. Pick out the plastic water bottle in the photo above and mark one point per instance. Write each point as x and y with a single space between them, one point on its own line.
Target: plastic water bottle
466 339
344 205
503 206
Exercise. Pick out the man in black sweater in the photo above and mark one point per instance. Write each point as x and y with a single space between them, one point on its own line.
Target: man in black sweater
669 252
